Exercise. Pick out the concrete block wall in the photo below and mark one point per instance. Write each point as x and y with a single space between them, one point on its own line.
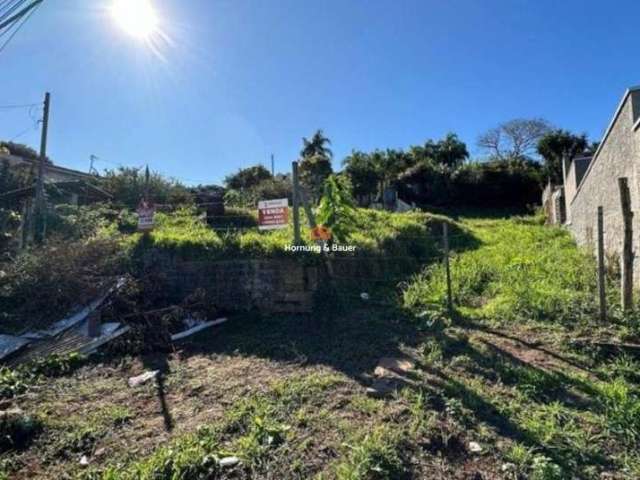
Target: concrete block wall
618 156
268 285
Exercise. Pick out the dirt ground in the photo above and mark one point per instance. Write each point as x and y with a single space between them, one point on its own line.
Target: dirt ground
444 399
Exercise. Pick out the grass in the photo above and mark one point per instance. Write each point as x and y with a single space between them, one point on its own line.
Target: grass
373 232
523 271
287 395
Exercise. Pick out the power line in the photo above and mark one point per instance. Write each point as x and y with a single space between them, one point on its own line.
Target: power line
18 19
21 133
17 106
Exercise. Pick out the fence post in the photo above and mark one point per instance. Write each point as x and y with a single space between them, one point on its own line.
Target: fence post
296 204
601 287
626 279
445 241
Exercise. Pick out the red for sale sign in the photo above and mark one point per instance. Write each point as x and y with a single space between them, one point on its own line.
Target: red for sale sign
273 214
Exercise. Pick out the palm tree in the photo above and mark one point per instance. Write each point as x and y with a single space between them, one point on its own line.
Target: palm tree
317 146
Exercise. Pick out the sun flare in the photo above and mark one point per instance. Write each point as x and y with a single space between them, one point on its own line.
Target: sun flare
136 17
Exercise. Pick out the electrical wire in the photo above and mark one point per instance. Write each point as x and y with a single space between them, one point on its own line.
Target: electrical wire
20 23
17 106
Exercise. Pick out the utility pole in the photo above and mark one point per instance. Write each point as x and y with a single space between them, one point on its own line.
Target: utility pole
92 158
40 216
146 184
273 172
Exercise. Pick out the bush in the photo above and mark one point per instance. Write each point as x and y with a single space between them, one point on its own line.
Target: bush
494 184
17 430
41 286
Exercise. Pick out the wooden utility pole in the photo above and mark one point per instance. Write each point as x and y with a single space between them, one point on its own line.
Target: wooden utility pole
296 204
445 241
273 170
146 184
601 280
40 206
626 279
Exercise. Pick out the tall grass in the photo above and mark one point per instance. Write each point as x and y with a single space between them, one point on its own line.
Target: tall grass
521 271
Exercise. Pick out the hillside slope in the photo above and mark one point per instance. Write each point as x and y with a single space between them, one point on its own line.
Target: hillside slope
499 391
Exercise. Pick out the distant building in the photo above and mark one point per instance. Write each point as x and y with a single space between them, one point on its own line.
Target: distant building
52 173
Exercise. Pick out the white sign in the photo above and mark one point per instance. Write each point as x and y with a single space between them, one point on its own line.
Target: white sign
145 216
273 214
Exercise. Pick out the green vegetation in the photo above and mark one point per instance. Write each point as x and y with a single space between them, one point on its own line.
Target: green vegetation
498 390
14 381
522 271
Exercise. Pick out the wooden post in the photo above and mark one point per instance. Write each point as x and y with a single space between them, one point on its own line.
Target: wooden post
626 262
445 241
296 204
601 280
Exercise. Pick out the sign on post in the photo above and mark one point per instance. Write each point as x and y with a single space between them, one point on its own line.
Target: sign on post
273 214
145 216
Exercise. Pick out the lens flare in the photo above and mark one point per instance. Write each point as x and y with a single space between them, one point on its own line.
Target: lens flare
136 17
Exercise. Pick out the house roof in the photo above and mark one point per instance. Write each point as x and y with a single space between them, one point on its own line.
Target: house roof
48 166
75 186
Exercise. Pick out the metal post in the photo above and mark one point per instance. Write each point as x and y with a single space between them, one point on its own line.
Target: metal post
296 204
601 280
445 240
626 277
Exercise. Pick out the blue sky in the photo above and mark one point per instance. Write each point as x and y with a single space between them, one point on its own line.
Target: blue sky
238 80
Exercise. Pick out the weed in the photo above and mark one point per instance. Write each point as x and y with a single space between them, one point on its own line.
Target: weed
11 383
432 351
542 468
17 430
622 409
263 434
372 455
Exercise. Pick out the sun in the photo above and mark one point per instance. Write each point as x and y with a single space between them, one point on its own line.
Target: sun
136 17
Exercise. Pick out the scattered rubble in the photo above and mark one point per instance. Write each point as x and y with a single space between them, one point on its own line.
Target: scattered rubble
474 447
229 461
390 374
71 334
143 378
196 326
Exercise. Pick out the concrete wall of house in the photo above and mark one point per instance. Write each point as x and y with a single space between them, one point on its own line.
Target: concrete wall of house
617 157
570 187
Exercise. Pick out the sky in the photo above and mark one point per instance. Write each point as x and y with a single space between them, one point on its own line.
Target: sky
227 83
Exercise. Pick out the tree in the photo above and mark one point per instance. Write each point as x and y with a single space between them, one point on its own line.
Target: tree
247 177
450 151
336 209
514 140
313 171
362 174
557 145
127 187
315 165
316 146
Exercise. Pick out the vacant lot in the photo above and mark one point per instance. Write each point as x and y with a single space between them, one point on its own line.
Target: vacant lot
500 391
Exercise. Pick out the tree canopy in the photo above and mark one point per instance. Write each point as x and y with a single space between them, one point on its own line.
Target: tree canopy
316 146
514 140
247 177
556 145
315 164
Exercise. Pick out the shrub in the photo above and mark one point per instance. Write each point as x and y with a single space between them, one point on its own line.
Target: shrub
41 286
17 429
